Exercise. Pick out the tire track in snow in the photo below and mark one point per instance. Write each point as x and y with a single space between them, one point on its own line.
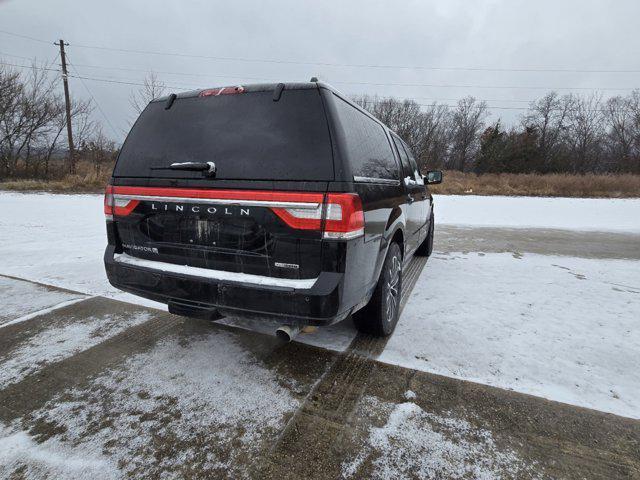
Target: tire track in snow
334 398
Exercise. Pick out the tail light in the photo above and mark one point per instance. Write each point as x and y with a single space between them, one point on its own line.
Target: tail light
343 216
108 202
341 213
114 205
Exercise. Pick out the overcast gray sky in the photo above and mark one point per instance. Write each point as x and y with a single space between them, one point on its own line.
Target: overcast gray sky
501 34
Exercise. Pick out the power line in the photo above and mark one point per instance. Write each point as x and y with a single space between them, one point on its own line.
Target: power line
383 84
106 80
29 67
183 87
347 65
358 65
94 99
25 37
433 85
490 107
187 74
15 56
193 86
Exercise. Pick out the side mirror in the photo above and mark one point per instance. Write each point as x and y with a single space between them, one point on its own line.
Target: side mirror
433 177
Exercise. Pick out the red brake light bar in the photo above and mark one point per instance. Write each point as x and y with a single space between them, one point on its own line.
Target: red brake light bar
214 92
341 212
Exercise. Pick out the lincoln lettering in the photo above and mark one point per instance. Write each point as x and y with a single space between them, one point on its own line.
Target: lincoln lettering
175 207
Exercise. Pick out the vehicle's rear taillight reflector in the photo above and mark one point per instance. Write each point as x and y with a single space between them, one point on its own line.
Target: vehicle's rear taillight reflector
117 206
344 216
307 218
108 202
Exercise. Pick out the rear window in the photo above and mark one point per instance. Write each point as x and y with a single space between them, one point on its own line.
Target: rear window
367 146
247 135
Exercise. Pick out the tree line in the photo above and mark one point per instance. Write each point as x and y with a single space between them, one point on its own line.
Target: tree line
557 134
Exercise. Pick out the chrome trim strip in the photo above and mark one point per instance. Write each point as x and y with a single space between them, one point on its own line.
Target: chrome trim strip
259 280
386 181
220 201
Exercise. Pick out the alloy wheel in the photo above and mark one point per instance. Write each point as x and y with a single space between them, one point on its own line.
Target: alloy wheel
393 290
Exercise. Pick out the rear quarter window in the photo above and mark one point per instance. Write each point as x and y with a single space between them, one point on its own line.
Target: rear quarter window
366 144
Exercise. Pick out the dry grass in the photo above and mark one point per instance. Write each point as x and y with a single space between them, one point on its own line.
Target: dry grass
552 185
69 184
85 181
455 183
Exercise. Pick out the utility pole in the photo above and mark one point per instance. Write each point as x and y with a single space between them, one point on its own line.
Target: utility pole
67 101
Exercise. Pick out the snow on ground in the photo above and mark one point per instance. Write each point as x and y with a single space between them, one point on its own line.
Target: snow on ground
519 323
595 214
562 328
204 405
58 240
59 340
48 461
414 443
54 239
14 293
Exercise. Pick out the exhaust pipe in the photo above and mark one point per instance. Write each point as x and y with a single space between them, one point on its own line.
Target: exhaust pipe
287 333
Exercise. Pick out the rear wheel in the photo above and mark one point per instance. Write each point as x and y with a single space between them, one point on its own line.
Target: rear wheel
380 316
426 247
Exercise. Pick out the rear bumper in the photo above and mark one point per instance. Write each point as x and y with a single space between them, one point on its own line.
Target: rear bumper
320 304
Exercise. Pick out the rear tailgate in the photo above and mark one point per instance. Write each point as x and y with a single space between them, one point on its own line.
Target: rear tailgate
259 232
255 143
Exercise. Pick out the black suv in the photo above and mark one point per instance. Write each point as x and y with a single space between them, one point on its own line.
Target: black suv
283 201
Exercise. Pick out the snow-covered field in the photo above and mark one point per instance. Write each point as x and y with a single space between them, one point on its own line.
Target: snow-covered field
585 214
562 328
13 308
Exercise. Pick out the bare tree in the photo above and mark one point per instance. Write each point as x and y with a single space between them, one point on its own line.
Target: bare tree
153 88
27 113
634 107
467 123
549 116
621 131
11 121
100 151
435 139
584 134
424 129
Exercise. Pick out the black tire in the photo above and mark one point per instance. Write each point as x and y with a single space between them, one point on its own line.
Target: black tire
380 316
426 247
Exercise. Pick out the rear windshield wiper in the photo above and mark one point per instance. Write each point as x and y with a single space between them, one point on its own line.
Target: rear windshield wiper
208 168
